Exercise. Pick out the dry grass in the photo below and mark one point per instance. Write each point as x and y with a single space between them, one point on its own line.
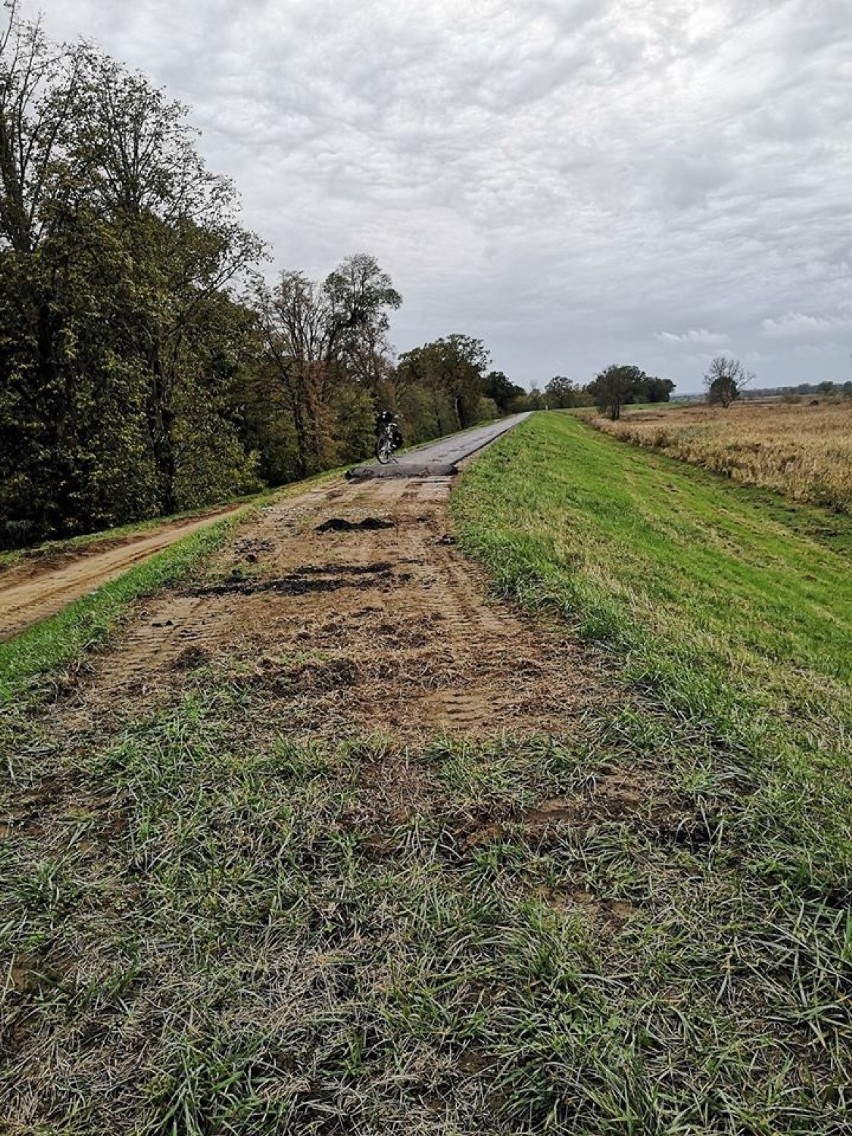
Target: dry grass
799 450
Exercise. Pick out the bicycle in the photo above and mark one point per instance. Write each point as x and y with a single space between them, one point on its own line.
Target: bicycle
388 439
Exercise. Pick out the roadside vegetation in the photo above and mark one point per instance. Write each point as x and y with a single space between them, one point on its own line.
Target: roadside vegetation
217 923
800 450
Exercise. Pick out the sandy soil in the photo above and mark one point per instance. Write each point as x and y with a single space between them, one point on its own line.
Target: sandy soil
37 588
353 604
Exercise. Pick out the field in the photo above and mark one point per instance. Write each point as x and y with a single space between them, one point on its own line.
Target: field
348 834
799 450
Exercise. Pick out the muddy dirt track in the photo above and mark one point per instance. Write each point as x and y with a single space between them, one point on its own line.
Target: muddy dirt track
35 589
39 587
354 606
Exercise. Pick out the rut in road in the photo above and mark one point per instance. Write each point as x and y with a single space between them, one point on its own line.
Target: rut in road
353 606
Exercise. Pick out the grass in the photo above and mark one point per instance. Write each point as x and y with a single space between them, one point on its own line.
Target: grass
803 451
213 928
640 926
45 651
730 615
49 647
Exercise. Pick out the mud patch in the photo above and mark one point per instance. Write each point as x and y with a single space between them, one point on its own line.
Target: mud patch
340 524
251 549
411 644
308 579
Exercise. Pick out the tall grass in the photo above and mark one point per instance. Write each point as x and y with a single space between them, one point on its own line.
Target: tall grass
799 450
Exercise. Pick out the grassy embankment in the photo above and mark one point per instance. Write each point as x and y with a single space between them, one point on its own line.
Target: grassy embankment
732 609
638 926
801 450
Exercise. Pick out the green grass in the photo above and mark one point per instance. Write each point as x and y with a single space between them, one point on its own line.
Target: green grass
49 647
212 928
730 615
640 926
51 549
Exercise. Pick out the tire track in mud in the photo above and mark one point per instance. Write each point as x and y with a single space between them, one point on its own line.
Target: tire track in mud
387 628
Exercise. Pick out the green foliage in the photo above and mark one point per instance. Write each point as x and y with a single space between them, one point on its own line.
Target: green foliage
324 355
117 248
618 385
502 390
452 370
562 393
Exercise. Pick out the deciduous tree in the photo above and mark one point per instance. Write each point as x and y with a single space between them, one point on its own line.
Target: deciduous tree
724 380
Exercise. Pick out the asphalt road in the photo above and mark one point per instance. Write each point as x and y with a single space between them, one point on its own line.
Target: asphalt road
441 457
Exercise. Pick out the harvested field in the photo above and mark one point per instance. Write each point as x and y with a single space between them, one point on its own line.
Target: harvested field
800 450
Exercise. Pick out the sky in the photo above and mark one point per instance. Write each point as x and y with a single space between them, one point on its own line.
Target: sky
576 182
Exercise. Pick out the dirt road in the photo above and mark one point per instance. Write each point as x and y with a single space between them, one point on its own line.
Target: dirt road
34 590
353 606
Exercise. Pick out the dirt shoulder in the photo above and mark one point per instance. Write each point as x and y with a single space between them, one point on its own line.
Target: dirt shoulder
34 589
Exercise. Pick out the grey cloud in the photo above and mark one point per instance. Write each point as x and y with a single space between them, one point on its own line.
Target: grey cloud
694 335
795 324
559 177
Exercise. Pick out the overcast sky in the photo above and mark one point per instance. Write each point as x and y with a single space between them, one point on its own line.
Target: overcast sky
577 182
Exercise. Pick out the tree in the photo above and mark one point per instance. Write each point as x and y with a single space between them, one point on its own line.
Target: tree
321 337
655 390
724 380
615 386
118 250
452 369
502 390
561 393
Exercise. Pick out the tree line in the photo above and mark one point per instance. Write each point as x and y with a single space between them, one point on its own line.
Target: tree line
147 366
617 385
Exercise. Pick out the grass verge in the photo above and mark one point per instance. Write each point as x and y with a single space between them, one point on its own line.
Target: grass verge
53 644
728 616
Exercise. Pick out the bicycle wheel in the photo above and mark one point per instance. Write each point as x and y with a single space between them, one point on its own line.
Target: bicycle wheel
384 449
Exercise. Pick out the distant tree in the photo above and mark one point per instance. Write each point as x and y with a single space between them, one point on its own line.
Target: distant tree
312 334
615 386
501 389
724 381
453 370
561 393
656 390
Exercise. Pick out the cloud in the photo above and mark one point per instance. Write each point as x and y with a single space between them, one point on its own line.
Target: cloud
694 335
796 324
559 177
